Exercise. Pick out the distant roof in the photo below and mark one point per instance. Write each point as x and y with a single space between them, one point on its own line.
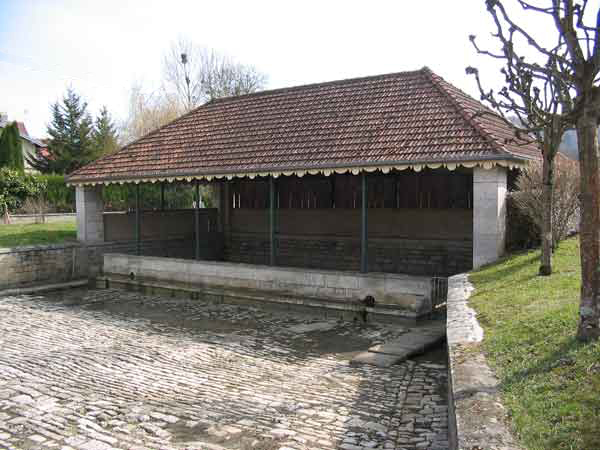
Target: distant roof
394 121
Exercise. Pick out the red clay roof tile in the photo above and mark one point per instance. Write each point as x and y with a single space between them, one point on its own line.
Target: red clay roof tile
402 118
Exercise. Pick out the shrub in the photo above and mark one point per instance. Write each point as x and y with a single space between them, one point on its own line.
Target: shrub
121 197
521 232
528 201
58 196
15 188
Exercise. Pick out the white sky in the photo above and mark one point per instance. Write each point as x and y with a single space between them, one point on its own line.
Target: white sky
100 47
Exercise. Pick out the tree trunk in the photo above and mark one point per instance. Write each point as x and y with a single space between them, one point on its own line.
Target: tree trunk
547 197
589 310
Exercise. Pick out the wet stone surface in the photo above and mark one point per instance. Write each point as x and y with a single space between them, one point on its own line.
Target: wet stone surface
103 369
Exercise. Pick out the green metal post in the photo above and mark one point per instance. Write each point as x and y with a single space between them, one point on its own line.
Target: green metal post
162 196
197 219
364 257
272 255
138 222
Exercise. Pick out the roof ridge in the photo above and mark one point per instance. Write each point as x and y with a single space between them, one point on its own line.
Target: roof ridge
470 119
314 85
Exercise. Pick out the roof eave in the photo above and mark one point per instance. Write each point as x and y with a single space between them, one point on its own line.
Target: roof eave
327 169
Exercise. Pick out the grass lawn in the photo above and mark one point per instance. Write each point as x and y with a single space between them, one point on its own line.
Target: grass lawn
37 234
550 382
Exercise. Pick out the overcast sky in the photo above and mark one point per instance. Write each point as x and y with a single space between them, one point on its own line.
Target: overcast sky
102 47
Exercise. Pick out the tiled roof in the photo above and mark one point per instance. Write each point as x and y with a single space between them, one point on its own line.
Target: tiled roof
25 135
386 120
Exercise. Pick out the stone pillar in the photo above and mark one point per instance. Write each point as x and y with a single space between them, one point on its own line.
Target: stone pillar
90 223
489 214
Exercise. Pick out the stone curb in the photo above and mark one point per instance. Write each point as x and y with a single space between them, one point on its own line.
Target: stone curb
43 288
477 419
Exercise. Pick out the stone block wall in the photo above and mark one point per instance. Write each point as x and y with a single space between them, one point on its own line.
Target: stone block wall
489 214
414 241
58 263
168 224
48 218
90 226
425 257
35 264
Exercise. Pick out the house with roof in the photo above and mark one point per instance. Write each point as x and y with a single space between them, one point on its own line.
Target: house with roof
29 144
337 191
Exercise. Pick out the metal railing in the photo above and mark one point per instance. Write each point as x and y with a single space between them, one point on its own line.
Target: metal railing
439 292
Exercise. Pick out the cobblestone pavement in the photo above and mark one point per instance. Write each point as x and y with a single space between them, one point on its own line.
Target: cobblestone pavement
102 369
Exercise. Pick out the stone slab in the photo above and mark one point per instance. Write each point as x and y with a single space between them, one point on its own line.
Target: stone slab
416 341
408 345
375 359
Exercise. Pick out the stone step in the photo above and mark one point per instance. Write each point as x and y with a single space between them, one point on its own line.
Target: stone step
415 342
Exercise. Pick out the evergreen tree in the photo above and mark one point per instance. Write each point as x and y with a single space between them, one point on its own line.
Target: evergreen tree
70 145
104 135
11 148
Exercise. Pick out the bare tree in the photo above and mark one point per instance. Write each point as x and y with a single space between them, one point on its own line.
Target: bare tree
196 75
534 95
529 197
569 73
147 112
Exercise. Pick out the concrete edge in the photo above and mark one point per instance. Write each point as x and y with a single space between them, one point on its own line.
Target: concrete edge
44 288
476 416
107 280
382 275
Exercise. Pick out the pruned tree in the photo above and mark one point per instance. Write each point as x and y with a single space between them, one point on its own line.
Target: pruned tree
196 75
580 65
536 97
564 85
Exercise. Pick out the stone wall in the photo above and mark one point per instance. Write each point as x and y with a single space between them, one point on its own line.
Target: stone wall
414 241
427 257
48 218
409 293
168 224
56 263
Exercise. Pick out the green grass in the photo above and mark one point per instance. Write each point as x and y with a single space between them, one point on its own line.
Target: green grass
550 382
37 234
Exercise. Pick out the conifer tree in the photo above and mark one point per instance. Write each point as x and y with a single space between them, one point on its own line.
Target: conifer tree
70 145
11 148
104 135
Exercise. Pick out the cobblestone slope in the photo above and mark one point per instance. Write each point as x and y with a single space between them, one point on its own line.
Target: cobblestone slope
95 370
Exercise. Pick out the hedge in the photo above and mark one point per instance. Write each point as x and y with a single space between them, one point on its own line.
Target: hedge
59 196
121 197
